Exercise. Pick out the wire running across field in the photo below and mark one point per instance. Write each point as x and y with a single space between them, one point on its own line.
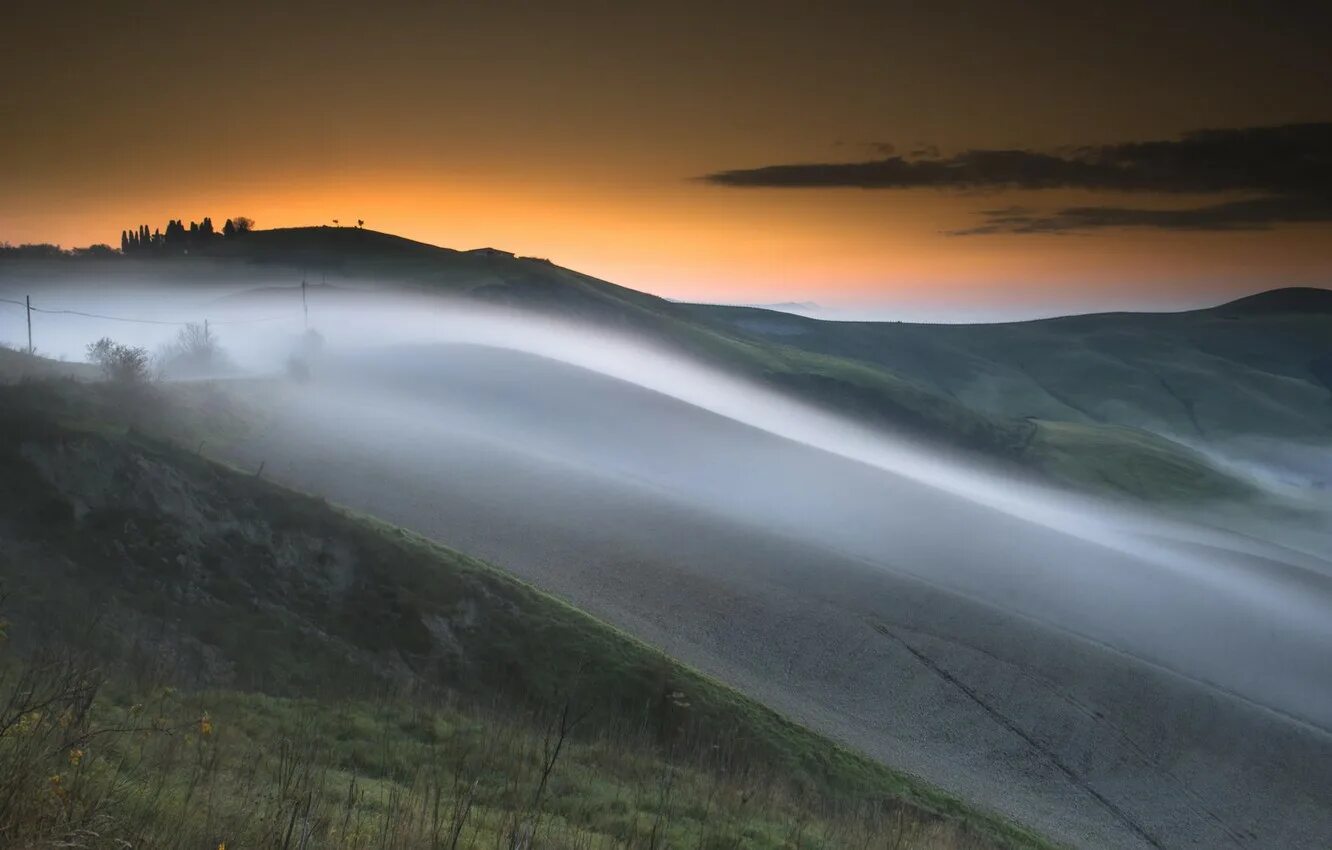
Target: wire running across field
48 311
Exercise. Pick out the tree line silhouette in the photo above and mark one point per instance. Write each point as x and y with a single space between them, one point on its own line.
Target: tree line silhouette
47 251
177 239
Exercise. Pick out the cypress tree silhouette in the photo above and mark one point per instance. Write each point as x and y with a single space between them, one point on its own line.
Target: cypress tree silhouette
175 234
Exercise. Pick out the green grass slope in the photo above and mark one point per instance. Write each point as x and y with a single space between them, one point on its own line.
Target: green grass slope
1258 366
354 684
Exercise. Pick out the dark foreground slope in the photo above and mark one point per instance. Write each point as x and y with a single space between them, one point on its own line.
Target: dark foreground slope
350 684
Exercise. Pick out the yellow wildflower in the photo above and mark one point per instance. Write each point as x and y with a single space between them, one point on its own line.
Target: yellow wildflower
28 722
205 725
75 756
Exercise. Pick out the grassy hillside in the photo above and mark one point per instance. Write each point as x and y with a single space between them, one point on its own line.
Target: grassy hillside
1258 366
345 683
926 381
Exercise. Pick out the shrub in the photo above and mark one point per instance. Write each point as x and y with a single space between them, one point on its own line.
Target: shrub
120 364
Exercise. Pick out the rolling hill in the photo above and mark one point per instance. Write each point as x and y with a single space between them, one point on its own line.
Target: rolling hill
341 676
1256 368
986 390
1006 658
1009 664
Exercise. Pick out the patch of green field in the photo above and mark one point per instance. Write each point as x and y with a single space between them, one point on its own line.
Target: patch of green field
1129 462
1255 367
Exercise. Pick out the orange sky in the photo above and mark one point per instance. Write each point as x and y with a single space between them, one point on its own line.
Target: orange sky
574 131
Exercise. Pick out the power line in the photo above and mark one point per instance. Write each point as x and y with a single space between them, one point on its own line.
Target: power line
144 321
109 318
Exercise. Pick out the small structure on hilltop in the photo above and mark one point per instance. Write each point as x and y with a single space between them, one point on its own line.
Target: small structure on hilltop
489 252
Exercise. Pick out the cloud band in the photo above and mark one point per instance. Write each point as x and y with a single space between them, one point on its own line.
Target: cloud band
1286 169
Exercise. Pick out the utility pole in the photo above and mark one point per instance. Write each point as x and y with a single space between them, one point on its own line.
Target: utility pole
27 300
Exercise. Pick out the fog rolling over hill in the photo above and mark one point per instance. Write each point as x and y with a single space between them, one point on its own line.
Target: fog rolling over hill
1248 380
869 550
1018 400
597 496
935 615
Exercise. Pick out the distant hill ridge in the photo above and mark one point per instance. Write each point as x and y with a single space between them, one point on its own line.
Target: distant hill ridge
332 240
309 241
314 243
1290 299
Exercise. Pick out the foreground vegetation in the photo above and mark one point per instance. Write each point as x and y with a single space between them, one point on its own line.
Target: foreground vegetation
345 683
86 763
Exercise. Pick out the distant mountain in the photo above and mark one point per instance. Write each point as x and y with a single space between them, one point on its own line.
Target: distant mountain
789 306
1292 299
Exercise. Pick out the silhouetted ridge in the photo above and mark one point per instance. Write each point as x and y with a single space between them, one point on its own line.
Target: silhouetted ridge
330 242
1291 299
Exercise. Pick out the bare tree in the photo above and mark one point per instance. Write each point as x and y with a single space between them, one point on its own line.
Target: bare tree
196 343
195 352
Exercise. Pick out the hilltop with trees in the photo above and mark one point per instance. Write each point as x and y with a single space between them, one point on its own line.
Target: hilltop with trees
141 241
178 239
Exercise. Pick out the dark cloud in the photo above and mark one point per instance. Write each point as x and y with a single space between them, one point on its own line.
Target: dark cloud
1249 214
1287 168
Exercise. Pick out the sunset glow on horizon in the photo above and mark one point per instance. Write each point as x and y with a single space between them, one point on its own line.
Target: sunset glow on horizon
472 138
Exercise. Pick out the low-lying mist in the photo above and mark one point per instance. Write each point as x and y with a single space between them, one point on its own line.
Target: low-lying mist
531 437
